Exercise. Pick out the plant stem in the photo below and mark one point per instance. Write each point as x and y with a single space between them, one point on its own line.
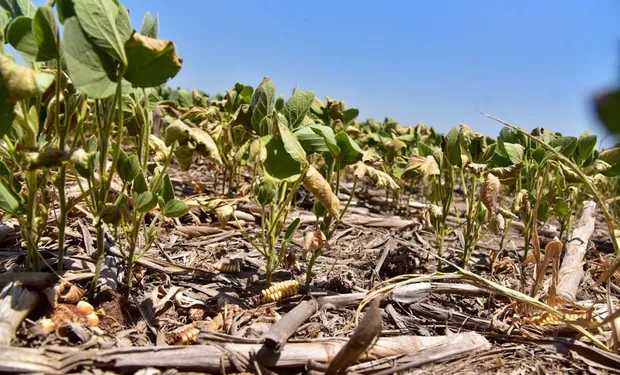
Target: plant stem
62 173
106 182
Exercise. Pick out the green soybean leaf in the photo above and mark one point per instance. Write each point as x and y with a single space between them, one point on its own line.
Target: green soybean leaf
9 202
349 115
586 145
145 201
5 19
508 135
279 103
139 184
175 208
45 30
128 167
151 62
262 105
65 9
150 26
514 151
290 231
107 24
7 110
453 147
20 36
291 144
90 70
539 154
328 135
167 189
43 81
19 7
10 177
565 145
278 162
350 151
297 106
424 150
185 98
310 141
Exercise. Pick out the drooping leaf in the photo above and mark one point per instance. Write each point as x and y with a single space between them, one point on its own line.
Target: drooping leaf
151 62
565 145
315 183
19 34
145 201
297 106
328 136
453 147
379 178
262 105
586 145
90 70
419 166
45 30
278 162
150 26
194 139
350 151
311 141
175 208
107 24
291 145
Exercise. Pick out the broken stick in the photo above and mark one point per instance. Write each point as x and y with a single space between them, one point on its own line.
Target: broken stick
571 271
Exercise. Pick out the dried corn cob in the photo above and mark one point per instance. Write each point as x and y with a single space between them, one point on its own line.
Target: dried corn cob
279 290
184 336
226 266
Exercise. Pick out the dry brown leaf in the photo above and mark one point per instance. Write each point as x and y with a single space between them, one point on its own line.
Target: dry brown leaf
489 192
320 188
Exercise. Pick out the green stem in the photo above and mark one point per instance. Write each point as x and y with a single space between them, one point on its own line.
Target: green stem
62 174
106 182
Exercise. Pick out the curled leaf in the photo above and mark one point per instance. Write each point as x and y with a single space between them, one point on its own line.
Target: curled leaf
379 178
194 138
497 224
21 81
159 148
509 172
151 62
419 166
489 191
320 188
265 190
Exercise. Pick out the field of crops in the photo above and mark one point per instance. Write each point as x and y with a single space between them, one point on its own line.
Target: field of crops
150 230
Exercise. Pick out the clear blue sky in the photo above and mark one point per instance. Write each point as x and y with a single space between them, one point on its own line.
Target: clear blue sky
532 63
